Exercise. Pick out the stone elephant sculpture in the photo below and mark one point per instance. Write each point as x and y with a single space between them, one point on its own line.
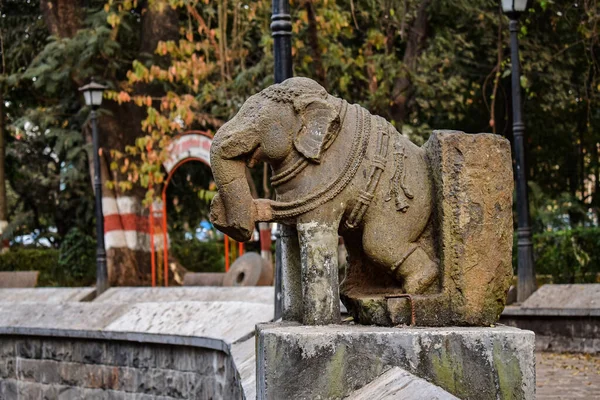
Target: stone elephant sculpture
336 169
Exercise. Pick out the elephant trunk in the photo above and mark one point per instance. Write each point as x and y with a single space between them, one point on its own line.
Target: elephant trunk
232 209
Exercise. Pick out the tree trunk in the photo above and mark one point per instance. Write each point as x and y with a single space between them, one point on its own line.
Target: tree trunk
126 225
62 17
416 38
126 220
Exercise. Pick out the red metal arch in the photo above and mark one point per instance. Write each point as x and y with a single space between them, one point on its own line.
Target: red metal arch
164 216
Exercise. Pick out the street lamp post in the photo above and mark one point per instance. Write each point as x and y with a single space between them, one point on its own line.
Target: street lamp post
92 94
526 270
281 28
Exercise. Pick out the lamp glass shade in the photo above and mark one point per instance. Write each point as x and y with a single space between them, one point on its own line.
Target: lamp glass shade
96 97
511 6
87 96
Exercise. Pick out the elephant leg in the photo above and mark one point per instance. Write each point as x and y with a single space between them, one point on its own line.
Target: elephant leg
416 270
291 274
403 259
319 258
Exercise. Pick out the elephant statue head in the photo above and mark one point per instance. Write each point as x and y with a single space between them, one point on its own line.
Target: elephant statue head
295 119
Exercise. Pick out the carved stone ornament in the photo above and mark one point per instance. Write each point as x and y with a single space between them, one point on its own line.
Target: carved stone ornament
428 229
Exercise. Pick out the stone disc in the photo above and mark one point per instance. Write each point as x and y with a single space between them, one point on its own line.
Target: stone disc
249 270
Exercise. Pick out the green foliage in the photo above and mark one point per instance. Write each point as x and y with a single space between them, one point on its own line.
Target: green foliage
47 165
198 256
77 259
569 256
552 213
73 265
38 259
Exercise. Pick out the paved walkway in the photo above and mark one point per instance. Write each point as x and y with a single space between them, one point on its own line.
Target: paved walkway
567 376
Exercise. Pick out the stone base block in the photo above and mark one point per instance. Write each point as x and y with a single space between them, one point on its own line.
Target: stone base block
331 362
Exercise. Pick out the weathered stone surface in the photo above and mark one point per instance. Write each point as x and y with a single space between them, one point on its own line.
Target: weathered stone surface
18 279
70 368
565 297
434 222
400 384
46 295
244 358
291 275
474 188
330 362
129 295
225 321
320 287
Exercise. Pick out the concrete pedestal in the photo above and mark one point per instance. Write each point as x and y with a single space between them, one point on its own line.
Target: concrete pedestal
331 362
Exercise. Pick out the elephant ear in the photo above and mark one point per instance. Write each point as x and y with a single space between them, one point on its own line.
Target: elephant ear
320 124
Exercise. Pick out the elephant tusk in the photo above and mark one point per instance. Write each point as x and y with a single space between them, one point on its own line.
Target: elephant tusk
255 158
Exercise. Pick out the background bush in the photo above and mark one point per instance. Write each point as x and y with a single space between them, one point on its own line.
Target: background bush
568 256
198 256
73 265
77 259
33 259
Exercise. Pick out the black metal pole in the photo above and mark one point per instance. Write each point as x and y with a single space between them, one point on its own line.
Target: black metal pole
101 269
281 27
278 277
526 269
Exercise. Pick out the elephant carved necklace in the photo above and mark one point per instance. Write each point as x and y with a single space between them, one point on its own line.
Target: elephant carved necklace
360 142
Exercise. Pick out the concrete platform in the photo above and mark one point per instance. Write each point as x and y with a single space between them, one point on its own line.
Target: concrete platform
565 318
331 362
47 295
129 295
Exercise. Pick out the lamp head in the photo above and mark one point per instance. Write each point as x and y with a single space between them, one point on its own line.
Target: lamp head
92 93
514 7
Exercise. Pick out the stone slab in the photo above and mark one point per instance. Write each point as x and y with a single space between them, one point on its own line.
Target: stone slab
18 279
517 311
47 295
577 296
400 384
128 295
244 359
330 362
229 322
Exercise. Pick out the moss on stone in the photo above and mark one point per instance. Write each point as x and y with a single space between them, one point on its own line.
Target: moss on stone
510 375
335 373
447 367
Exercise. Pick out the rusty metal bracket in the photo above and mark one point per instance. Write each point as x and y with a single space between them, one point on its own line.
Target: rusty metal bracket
410 300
